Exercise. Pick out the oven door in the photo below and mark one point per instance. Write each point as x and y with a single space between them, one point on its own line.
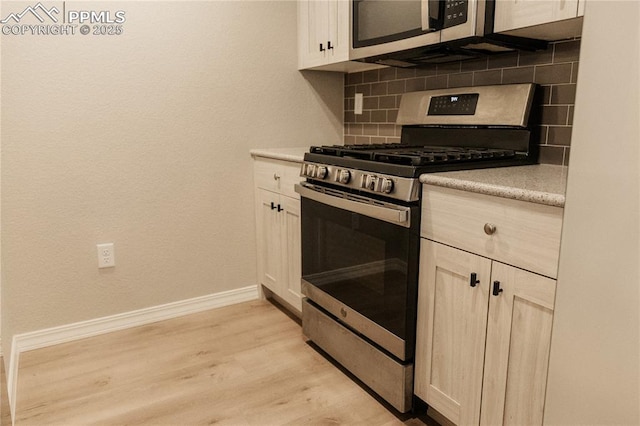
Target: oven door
360 264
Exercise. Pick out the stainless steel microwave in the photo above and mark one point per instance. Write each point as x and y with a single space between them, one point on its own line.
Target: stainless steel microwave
413 32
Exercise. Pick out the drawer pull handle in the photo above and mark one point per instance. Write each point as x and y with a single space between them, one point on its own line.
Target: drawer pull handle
496 288
489 228
474 280
276 176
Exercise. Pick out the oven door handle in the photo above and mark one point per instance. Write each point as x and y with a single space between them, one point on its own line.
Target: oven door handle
392 213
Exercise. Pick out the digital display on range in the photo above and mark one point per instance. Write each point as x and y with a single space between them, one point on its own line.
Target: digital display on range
461 104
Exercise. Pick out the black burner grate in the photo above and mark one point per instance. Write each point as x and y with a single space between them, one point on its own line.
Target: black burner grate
413 155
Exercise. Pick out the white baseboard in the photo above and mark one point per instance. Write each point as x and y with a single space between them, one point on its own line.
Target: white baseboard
80 330
12 381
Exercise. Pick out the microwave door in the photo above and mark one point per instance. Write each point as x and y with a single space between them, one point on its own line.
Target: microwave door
381 27
432 15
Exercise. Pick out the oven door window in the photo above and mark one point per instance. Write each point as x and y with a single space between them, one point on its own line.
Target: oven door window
367 264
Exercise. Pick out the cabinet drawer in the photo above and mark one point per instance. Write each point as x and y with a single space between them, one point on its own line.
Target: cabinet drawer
277 176
527 235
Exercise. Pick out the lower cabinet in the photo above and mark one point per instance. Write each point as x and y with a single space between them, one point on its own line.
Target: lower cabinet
483 336
278 233
279 265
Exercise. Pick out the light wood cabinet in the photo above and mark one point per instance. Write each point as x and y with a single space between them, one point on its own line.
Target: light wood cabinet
278 229
526 234
540 19
451 331
484 326
323 36
517 349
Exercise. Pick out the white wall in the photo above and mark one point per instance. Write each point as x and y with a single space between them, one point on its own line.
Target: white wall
143 140
594 370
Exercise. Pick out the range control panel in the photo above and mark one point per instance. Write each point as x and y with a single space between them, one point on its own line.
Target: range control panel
399 188
462 104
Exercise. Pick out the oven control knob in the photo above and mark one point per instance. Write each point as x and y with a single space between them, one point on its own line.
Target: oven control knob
321 172
370 182
310 170
344 176
386 186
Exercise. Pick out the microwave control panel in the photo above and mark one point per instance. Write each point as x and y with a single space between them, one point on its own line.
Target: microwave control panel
455 12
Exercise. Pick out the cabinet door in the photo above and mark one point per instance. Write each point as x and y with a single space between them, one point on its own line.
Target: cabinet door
269 240
324 22
291 251
339 30
451 331
313 26
514 14
517 352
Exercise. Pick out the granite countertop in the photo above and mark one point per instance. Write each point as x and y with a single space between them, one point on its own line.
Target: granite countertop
541 183
295 154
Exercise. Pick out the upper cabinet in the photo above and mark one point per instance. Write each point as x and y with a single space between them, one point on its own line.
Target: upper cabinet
323 36
324 28
540 19
321 40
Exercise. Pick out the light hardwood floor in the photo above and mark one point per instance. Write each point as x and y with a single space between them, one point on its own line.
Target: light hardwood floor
242 364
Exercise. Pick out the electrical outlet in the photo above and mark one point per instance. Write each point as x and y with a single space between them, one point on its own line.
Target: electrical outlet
106 255
358 104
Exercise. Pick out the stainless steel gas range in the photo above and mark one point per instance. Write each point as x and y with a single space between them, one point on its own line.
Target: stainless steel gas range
360 214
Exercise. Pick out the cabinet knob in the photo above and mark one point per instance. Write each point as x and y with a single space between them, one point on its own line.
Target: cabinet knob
277 176
489 228
496 288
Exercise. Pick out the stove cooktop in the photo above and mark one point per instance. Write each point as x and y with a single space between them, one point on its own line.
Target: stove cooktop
413 155
411 161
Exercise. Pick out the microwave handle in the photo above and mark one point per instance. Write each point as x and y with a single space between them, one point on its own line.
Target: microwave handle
432 15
